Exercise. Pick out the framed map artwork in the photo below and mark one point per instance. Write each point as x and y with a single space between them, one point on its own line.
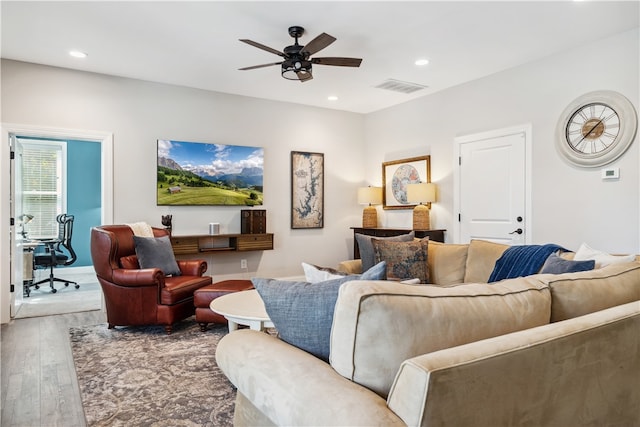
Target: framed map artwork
307 190
397 174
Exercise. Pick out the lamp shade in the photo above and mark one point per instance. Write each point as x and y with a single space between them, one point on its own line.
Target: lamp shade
370 196
421 193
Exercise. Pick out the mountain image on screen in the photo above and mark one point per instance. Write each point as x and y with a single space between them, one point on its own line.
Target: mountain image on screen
192 173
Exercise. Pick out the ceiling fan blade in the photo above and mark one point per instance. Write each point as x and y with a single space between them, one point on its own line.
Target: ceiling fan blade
263 47
304 77
340 62
319 43
253 67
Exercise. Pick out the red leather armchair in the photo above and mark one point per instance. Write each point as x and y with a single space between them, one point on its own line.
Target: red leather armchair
135 296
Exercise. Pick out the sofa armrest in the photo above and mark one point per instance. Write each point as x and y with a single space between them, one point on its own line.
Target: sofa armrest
554 374
292 387
351 266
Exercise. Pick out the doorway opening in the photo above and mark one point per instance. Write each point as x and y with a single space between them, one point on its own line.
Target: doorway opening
102 144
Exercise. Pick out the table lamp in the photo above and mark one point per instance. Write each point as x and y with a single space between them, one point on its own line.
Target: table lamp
370 196
421 193
24 220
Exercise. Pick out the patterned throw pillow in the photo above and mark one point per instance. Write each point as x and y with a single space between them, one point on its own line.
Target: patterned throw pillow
365 247
405 260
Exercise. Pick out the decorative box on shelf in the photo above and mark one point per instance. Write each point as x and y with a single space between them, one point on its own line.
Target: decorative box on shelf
253 221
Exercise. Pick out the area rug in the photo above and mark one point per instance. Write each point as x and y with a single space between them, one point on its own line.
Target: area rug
137 376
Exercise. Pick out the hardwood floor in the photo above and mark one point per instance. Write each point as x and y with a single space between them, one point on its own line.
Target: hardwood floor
39 384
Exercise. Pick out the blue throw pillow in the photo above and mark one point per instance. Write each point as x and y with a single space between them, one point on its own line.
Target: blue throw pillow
156 252
558 265
302 312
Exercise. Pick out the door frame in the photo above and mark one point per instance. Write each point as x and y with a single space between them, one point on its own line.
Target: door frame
7 232
527 129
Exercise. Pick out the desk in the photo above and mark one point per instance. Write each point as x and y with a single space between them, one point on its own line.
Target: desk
28 247
435 235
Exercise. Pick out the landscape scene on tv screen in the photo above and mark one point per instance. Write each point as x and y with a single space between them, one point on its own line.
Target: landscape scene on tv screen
195 173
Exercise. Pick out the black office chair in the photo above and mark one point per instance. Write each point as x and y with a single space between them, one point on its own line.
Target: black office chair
55 256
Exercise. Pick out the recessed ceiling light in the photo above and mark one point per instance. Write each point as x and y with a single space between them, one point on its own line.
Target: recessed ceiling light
332 98
77 54
422 61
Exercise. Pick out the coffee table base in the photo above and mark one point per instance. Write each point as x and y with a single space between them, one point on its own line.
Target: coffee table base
256 325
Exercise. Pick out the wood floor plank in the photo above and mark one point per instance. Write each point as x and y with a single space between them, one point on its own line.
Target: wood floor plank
39 382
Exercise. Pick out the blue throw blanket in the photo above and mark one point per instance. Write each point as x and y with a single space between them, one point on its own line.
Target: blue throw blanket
519 261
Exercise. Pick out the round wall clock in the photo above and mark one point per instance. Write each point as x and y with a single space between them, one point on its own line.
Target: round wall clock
596 128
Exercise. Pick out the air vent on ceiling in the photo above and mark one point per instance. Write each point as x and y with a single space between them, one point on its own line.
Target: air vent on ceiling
400 86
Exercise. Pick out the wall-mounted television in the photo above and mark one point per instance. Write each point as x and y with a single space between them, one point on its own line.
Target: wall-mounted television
204 174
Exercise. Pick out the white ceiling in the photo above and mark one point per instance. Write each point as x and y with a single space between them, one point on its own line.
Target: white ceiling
195 44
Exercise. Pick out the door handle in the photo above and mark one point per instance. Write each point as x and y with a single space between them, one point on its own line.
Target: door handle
518 231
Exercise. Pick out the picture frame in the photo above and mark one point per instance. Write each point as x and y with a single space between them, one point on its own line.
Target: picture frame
307 190
397 174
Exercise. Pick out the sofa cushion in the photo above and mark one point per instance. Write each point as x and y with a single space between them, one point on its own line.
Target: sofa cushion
302 312
405 260
378 325
156 252
575 294
447 263
314 274
366 247
558 265
481 259
602 258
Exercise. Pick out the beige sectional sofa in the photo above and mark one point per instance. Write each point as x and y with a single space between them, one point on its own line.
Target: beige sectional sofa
542 350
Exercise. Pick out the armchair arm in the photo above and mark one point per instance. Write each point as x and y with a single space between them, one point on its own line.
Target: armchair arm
133 278
192 267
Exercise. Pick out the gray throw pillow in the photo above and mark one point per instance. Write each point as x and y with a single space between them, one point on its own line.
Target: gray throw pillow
366 247
558 265
302 312
156 252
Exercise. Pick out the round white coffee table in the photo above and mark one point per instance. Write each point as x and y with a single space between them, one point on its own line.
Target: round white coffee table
242 308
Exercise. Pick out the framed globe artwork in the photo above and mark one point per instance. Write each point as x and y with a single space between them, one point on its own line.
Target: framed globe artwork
397 174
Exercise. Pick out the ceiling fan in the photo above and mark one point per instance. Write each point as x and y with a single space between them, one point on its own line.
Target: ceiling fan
297 62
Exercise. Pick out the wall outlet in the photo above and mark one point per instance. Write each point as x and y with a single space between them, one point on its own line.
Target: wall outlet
243 263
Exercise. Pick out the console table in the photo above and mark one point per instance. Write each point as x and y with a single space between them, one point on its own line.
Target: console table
195 244
436 235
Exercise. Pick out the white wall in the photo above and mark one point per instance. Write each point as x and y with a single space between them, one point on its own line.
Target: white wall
570 205
138 113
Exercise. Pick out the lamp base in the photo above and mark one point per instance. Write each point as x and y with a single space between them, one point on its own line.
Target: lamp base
421 218
369 217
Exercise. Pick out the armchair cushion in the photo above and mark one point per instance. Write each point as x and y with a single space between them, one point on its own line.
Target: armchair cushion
156 252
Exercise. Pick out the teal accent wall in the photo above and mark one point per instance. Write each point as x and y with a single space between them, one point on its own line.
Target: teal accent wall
84 195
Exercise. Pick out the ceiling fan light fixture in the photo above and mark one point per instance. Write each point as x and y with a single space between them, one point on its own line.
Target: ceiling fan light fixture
296 70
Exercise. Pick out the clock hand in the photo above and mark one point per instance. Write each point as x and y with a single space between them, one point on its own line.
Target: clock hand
589 133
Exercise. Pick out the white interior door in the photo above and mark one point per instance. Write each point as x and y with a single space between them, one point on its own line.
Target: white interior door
493 193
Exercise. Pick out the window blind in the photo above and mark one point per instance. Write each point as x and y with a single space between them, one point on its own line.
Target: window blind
42 186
